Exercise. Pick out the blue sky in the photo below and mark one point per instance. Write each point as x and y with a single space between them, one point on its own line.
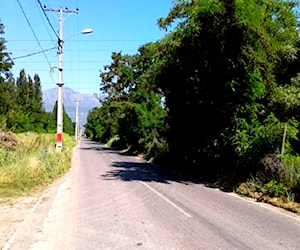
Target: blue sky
118 25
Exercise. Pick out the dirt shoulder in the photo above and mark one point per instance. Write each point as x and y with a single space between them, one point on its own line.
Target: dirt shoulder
13 214
22 217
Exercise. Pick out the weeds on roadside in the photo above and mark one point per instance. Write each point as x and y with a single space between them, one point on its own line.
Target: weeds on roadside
281 188
35 163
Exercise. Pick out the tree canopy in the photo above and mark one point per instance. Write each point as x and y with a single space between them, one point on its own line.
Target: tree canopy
215 90
21 102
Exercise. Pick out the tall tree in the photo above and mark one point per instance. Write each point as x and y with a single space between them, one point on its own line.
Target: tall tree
6 62
68 126
38 111
6 79
212 91
23 88
219 65
131 102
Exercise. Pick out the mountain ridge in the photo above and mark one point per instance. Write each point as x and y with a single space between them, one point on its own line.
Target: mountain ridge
70 97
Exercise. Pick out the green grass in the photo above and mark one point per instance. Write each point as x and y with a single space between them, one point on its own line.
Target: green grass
33 165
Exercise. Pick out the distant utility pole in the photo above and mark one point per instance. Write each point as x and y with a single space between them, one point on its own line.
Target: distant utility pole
76 122
60 83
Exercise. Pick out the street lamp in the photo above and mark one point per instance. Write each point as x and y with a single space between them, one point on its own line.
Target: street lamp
60 83
86 31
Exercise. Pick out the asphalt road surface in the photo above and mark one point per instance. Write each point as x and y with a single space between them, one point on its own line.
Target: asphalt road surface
113 201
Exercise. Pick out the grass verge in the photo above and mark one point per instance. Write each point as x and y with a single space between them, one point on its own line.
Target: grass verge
33 165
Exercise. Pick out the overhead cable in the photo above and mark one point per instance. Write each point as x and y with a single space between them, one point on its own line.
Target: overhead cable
36 38
34 53
48 19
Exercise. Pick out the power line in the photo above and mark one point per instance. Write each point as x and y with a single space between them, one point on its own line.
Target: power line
96 70
47 19
82 61
85 50
34 53
44 22
36 38
77 40
42 18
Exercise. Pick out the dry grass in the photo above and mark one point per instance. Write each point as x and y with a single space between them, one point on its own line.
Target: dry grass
33 164
247 190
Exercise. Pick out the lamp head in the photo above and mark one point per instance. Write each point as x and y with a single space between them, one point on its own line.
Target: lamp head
86 31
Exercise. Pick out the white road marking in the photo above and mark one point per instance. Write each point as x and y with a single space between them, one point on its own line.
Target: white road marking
167 200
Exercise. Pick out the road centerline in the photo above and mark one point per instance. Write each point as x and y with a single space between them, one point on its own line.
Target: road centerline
167 200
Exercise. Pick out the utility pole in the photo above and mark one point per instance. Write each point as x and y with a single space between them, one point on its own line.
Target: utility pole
60 83
76 122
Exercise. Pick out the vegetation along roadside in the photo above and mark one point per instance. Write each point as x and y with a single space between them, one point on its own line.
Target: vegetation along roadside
218 97
31 164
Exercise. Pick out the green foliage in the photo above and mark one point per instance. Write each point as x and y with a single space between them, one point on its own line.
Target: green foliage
215 91
287 186
21 105
151 122
7 95
258 187
131 108
6 62
114 142
69 127
286 100
102 123
292 176
51 119
221 63
274 189
250 142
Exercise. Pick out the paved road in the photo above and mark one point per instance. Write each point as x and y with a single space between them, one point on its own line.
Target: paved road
113 201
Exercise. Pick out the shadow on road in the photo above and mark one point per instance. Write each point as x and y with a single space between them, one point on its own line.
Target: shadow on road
91 145
142 171
133 171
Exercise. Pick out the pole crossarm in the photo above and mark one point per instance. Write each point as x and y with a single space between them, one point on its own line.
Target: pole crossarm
66 10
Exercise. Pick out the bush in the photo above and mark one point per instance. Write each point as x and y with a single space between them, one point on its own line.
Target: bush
272 168
274 189
292 176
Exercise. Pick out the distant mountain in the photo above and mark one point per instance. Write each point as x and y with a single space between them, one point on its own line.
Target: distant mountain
86 102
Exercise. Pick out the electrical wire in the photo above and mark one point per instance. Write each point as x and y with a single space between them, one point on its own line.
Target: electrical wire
48 19
46 26
36 38
77 40
34 53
